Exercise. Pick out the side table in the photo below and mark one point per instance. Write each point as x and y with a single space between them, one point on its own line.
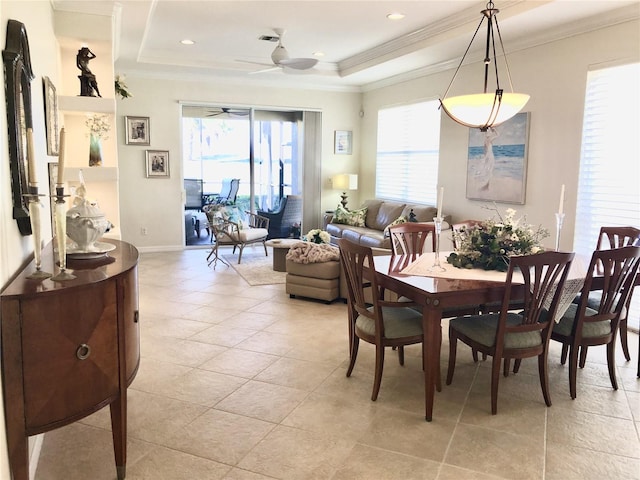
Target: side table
281 247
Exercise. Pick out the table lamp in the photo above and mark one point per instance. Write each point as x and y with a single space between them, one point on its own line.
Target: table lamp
344 182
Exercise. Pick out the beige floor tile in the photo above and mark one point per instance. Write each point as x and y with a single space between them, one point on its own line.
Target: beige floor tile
594 432
296 373
239 474
241 363
574 463
173 326
267 342
79 452
179 351
448 472
263 401
366 463
223 335
409 433
290 453
252 320
220 436
496 453
166 464
208 314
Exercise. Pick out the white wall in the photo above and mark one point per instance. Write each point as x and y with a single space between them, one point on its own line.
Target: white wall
14 248
156 203
555 76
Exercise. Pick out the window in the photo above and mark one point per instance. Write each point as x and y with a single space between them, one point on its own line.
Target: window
608 191
408 152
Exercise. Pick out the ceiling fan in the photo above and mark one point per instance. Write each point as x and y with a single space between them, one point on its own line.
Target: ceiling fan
280 56
231 112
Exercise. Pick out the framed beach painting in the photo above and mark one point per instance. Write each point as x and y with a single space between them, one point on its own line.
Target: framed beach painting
497 161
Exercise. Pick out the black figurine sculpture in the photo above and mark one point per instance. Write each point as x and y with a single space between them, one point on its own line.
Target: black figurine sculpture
88 82
412 216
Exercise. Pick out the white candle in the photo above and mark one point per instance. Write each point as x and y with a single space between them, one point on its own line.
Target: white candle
61 158
561 206
440 195
31 163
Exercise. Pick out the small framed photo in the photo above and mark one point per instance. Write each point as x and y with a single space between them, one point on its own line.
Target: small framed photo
51 116
343 140
137 131
157 163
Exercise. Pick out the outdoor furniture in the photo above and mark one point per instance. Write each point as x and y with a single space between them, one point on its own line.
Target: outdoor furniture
227 232
288 214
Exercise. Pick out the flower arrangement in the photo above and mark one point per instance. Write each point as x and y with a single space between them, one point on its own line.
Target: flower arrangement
489 244
98 125
121 87
317 236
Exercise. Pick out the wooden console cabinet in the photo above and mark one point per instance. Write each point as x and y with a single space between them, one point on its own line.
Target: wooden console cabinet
69 349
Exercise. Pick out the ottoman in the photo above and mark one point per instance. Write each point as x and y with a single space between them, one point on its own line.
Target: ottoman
313 280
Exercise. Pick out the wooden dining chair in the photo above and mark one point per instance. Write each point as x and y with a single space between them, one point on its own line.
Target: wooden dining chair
507 334
381 323
588 324
614 237
409 238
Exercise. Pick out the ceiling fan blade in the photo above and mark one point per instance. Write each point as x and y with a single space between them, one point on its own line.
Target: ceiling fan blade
264 70
255 63
299 63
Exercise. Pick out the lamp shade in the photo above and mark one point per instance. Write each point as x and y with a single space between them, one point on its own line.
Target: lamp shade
482 110
345 181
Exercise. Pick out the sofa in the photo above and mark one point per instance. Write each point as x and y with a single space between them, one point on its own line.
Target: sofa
380 214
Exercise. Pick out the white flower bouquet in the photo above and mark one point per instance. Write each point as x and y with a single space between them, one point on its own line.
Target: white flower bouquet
317 236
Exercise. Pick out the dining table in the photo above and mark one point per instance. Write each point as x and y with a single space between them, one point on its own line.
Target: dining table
437 285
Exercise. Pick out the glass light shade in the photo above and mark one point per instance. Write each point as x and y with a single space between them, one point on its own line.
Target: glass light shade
484 110
345 182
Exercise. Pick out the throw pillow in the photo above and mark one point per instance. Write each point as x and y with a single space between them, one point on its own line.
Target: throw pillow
397 221
354 218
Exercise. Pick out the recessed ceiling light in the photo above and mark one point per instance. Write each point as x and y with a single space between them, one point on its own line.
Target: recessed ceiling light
186 41
318 54
395 16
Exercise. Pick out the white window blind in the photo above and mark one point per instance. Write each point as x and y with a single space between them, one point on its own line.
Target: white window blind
408 152
608 186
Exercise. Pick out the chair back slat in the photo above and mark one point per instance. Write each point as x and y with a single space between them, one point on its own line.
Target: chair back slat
357 263
409 238
617 237
615 269
544 276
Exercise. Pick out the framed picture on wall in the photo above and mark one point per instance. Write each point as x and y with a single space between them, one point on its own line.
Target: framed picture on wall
343 140
51 116
497 161
157 163
137 131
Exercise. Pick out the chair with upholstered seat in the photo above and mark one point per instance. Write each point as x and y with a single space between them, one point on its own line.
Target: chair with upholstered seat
588 324
381 323
614 237
236 233
516 335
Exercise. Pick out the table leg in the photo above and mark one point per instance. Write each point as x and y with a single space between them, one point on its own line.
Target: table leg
119 433
431 328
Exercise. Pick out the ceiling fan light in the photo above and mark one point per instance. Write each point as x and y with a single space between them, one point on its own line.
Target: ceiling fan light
279 54
483 110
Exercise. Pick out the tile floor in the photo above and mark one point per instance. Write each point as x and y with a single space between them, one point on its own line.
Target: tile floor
240 382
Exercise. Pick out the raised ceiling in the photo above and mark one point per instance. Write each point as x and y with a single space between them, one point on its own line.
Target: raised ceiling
362 48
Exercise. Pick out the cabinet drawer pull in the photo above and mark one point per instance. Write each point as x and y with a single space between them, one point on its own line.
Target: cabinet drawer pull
83 351
136 316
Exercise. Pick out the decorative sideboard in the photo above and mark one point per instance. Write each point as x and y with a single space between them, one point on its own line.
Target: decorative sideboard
69 349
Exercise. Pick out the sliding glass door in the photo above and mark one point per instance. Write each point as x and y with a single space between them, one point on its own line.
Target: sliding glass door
258 147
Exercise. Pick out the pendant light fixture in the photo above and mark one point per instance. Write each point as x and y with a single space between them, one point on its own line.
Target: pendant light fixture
487 109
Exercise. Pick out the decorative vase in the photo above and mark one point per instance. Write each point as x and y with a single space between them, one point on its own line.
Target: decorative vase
95 151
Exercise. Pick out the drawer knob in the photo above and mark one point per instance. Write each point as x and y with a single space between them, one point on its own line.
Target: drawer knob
83 351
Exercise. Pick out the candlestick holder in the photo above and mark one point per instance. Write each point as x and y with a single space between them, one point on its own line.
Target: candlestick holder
559 222
436 267
61 237
34 217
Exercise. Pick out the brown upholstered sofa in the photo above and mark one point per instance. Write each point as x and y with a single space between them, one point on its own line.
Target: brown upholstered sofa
380 214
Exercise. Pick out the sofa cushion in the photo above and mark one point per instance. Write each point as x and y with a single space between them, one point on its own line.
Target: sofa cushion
350 217
372 210
375 239
336 229
387 213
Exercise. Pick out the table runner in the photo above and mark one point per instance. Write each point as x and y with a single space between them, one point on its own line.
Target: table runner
423 267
